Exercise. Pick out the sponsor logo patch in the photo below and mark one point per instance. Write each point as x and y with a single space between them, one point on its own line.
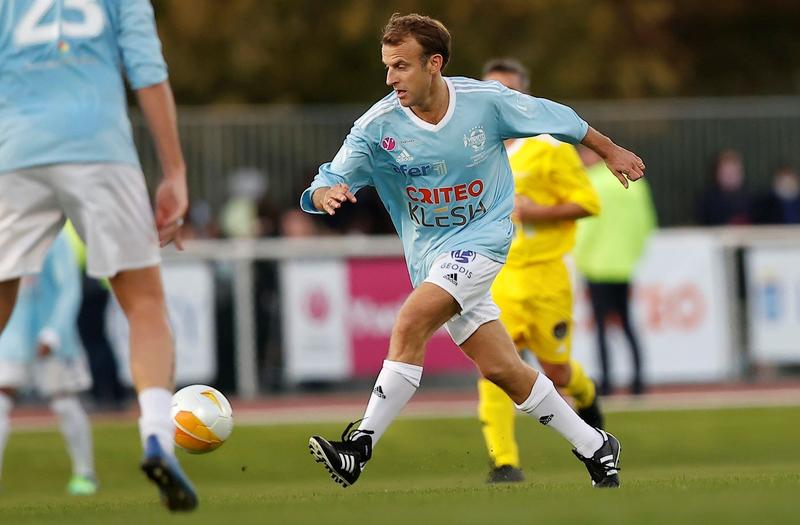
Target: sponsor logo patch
388 143
463 256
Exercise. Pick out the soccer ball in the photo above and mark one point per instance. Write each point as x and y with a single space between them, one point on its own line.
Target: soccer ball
203 418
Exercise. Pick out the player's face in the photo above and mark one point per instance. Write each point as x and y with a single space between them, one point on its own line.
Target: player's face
508 79
407 72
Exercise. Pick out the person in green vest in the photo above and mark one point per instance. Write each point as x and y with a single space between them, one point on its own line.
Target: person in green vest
607 248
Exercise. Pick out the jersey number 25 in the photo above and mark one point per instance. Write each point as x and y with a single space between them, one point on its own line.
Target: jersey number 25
31 30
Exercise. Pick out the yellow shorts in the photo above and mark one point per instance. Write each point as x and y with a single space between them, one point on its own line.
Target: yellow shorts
536 308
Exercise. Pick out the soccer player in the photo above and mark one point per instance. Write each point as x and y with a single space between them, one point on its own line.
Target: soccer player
433 149
42 337
66 151
533 290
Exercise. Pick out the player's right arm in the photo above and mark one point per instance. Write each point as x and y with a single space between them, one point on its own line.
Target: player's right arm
146 73
338 181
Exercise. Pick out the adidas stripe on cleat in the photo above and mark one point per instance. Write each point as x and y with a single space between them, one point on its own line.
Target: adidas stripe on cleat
344 460
603 466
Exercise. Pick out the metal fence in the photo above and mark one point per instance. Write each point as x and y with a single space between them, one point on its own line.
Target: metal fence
677 138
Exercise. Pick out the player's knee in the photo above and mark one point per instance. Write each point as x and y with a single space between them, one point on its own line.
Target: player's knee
407 336
559 373
498 374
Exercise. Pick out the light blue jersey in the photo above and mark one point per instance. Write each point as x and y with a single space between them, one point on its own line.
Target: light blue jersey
47 302
446 186
62 93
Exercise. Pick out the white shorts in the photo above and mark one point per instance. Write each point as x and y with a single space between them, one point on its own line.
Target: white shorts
107 203
52 375
468 277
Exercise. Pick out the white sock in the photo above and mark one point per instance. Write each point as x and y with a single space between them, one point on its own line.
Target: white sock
77 431
394 387
155 405
6 404
547 405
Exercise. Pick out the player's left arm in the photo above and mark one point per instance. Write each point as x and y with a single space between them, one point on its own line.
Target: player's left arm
526 210
172 198
146 71
576 195
624 164
65 275
522 115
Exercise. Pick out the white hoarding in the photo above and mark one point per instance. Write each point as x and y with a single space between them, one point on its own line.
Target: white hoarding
315 296
189 289
773 291
680 312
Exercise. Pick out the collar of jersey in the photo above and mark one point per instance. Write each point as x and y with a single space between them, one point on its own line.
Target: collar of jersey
447 116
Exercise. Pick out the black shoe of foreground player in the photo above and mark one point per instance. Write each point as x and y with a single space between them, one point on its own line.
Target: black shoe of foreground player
344 459
603 466
592 414
505 474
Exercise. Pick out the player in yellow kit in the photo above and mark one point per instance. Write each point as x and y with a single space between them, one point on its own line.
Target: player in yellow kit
533 289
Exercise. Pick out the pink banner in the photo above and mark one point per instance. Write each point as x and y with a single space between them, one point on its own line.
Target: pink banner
378 288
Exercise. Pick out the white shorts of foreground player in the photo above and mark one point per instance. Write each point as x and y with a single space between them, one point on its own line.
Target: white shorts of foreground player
107 203
468 277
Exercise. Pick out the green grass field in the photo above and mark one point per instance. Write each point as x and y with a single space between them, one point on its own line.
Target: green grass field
709 467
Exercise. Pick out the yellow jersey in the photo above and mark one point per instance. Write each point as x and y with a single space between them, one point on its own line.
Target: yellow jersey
548 172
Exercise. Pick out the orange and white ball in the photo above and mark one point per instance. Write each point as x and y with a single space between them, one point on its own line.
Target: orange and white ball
203 418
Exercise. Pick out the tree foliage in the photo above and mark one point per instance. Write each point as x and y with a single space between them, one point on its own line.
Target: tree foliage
327 51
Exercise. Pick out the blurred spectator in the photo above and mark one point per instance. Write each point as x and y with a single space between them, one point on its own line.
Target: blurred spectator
725 200
201 223
240 214
296 223
607 248
781 205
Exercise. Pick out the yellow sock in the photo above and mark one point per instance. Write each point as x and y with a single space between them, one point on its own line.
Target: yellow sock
496 412
581 388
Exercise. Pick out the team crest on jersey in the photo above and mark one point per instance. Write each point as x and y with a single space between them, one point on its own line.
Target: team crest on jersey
475 138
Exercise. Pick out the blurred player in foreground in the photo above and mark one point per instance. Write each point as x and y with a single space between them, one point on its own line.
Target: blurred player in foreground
533 290
433 149
66 151
42 338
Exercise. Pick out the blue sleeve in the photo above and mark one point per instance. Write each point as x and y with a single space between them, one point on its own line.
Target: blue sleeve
352 165
62 265
521 115
139 45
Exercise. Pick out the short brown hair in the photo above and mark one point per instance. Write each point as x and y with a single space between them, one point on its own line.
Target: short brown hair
431 34
508 65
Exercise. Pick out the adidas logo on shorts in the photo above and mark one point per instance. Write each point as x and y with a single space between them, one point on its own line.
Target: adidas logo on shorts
546 419
452 277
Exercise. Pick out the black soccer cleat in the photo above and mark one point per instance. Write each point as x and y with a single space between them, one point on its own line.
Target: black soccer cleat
603 466
505 474
344 460
177 493
592 414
